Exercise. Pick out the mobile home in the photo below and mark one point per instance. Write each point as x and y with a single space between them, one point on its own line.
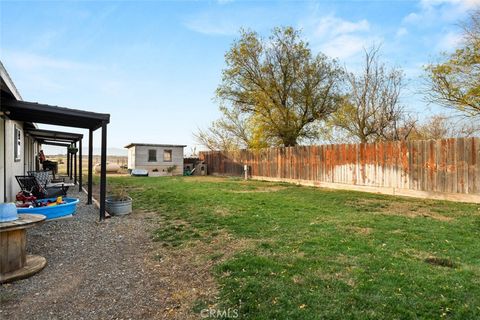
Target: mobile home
158 159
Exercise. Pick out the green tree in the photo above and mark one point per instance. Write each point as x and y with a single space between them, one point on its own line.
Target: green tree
279 86
455 83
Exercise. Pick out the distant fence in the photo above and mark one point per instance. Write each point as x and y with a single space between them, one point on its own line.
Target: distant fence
442 169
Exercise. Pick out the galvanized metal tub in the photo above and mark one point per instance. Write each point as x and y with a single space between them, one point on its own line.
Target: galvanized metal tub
118 207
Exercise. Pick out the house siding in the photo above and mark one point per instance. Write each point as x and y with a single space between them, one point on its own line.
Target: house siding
138 159
131 158
15 167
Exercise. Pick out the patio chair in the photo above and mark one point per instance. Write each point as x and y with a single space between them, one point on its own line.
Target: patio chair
46 179
31 184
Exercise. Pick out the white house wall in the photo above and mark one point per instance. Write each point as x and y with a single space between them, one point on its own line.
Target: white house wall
140 159
131 158
13 167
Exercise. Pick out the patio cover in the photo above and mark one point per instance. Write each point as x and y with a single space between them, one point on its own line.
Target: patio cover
44 113
62 139
50 135
54 115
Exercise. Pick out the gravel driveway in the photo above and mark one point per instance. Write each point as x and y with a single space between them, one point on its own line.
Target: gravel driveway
95 271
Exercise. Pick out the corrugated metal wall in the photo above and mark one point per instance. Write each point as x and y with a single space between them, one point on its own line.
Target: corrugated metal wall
447 165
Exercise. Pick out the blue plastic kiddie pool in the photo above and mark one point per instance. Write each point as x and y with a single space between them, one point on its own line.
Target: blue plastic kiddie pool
53 212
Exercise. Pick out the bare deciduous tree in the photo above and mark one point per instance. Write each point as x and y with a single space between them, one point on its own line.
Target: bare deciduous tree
442 126
230 132
372 110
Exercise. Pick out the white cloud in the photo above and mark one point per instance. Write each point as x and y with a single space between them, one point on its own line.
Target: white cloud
212 24
432 11
337 37
45 75
402 32
32 62
466 4
412 17
344 46
333 26
449 41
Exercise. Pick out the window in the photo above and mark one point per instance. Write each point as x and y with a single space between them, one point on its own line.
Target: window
167 155
152 155
17 140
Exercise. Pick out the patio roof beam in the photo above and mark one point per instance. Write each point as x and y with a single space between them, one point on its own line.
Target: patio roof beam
54 135
54 115
52 143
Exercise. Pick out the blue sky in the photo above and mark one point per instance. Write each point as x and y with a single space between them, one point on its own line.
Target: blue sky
154 65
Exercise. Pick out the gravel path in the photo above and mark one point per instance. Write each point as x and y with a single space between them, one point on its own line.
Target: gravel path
95 271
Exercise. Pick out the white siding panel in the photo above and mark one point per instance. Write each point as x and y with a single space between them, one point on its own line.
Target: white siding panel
14 168
138 159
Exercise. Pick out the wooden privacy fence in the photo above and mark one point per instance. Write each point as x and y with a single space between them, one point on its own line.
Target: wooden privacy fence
446 168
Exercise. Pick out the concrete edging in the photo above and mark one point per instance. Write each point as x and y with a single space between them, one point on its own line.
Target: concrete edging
469 198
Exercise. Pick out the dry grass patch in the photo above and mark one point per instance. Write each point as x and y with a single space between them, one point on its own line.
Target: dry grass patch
221 211
205 179
263 189
430 258
188 271
360 230
397 208
343 276
442 262
411 211
347 263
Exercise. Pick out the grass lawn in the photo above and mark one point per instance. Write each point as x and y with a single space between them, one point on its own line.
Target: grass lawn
309 253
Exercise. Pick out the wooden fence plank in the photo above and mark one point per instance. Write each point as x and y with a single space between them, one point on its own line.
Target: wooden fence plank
476 156
460 159
447 165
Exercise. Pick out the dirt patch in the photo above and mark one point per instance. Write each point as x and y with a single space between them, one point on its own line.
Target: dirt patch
442 262
429 258
360 230
407 209
343 276
215 179
346 266
397 208
113 269
188 271
262 189
418 254
94 271
222 211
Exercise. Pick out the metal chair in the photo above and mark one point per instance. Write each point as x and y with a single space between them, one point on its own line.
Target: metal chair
46 179
31 184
